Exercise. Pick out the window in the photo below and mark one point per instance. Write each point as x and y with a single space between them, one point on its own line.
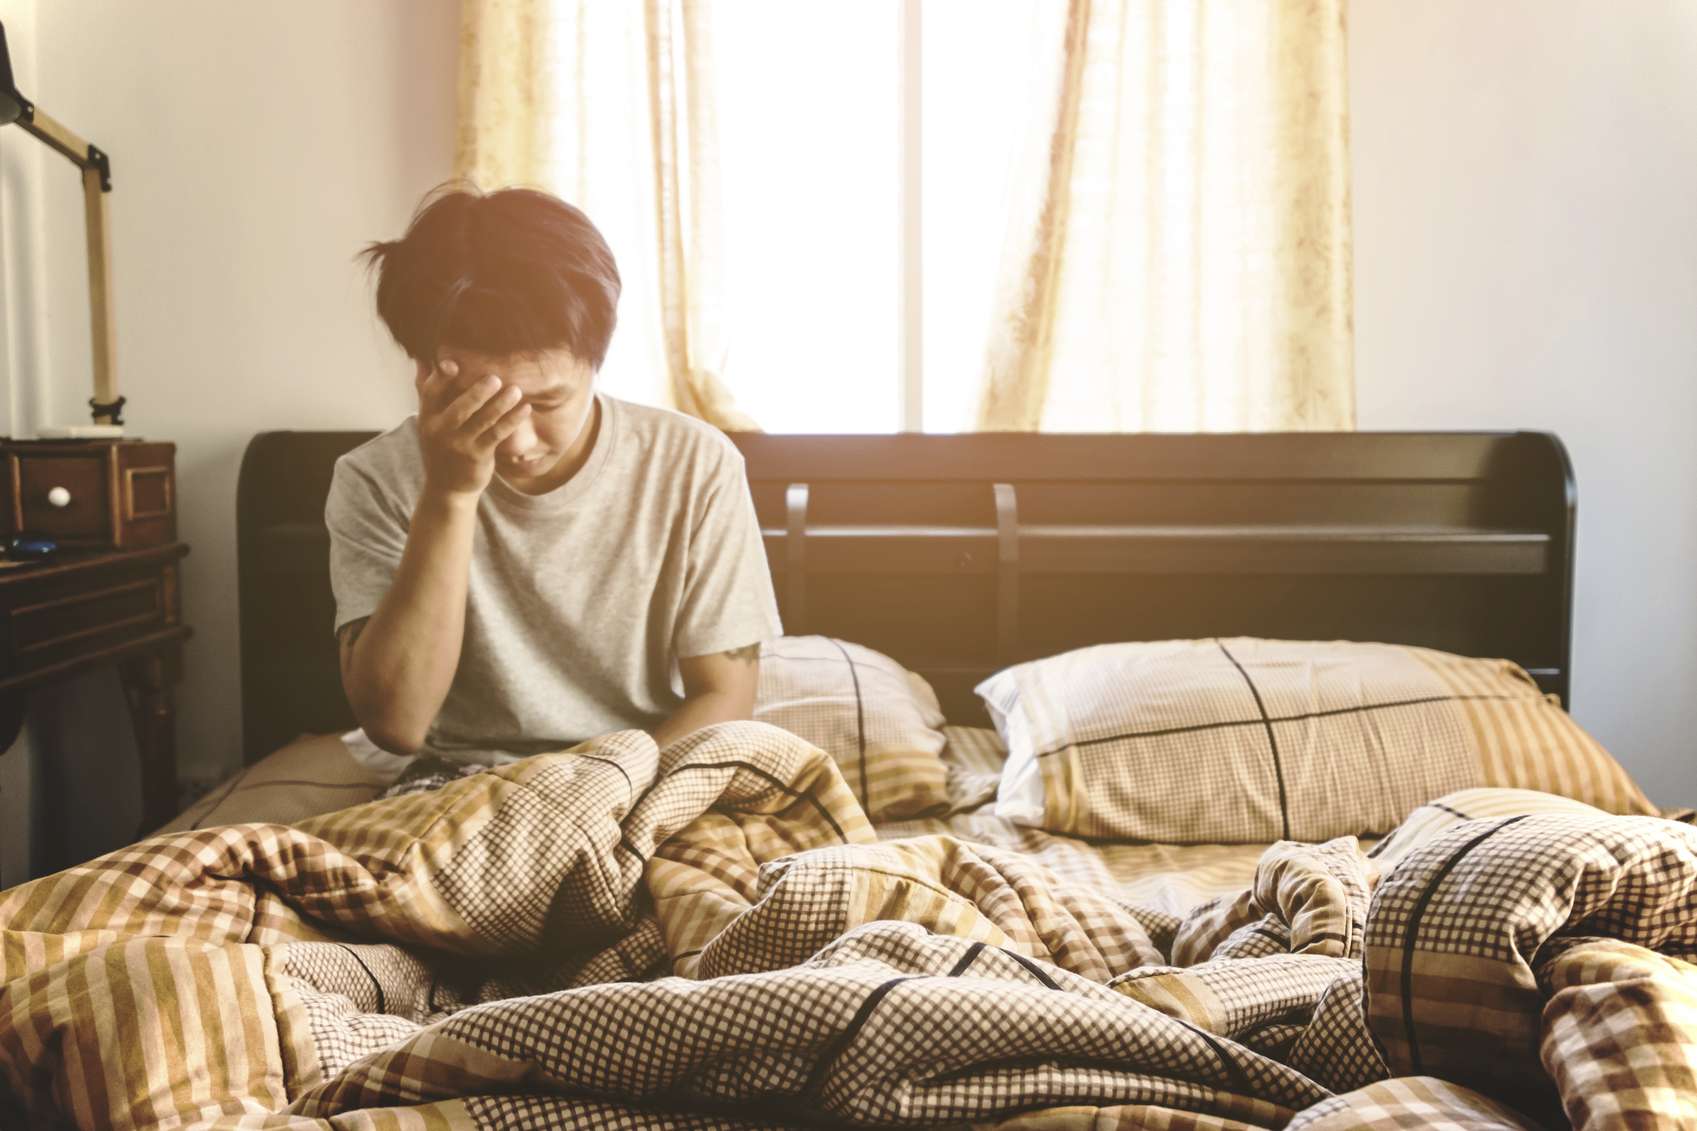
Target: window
807 106
846 311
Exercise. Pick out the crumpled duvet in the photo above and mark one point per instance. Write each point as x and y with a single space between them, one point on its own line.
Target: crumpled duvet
711 936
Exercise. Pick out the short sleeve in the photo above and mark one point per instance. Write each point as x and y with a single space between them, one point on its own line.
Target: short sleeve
368 534
728 600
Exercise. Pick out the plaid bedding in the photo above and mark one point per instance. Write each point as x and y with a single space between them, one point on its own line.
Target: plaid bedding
1251 740
715 936
879 721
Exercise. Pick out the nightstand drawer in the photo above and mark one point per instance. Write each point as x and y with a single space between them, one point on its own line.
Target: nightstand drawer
92 494
64 497
73 612
90 618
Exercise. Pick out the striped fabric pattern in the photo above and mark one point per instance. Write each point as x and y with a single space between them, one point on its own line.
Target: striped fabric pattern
972 758
1251 740
880 721
715 935
1524 740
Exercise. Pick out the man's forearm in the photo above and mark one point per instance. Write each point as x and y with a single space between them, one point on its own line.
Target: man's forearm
403 660
701 710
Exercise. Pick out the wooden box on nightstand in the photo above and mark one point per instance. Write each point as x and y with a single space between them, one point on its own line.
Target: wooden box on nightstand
90 494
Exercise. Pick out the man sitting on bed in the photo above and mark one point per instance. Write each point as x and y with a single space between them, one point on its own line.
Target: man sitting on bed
526 562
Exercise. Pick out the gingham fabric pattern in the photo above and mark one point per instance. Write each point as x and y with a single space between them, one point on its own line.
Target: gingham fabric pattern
851 1034
1620 1034
880 721
1446 812
1336 1048
1412 1103
714 935
1452 931
1308 898
1251 740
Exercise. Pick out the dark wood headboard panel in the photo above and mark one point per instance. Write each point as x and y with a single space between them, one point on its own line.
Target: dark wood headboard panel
960 554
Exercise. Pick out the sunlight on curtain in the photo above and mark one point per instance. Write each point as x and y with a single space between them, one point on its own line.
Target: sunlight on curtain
539 106
1140 225
771 265
1178 251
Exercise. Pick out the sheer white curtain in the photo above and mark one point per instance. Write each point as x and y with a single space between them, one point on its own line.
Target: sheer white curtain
1178 252
1135 215
609 105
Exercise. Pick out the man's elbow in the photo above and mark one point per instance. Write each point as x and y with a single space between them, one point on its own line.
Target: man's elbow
387 727
396 740
725 704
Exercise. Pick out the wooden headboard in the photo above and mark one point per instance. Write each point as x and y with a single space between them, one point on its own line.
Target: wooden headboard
959 554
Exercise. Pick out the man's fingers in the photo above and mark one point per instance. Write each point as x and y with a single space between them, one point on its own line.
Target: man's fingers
493 409
436 386
506 425
467 404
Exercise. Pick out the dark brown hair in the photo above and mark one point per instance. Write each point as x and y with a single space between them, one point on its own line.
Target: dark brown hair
511 272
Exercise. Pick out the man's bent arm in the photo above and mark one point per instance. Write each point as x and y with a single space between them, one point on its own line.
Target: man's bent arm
398 664
718 688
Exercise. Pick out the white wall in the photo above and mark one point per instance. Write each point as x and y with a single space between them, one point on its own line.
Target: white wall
255 149
1525 188
1526 257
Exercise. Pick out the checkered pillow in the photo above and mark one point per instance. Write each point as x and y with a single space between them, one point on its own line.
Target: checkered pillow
1246 740
879 721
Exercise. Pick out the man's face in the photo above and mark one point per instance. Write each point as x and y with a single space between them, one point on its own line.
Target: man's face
560 391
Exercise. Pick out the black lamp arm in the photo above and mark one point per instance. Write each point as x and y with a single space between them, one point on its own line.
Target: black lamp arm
96 166
14 107
84 155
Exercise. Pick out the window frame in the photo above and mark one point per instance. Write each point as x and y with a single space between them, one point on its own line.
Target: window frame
910 287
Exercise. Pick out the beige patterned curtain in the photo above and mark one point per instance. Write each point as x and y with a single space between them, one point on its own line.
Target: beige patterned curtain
1178 257
527 68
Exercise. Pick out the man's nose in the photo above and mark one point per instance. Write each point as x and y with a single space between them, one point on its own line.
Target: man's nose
521 441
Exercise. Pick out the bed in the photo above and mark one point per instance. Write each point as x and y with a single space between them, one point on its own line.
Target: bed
742 931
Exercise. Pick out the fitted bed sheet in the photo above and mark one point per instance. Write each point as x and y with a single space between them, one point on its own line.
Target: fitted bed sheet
1172 879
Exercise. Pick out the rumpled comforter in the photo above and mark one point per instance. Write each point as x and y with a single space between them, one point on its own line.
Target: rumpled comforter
712 936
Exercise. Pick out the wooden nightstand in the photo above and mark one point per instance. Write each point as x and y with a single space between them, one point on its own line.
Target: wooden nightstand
110 597
115 607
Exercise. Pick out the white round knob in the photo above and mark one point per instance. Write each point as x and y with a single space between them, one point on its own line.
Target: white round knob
58 497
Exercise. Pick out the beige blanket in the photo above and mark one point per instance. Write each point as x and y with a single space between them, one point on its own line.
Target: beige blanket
712 936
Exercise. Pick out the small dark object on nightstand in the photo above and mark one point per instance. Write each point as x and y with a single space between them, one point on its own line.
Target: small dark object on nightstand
30 549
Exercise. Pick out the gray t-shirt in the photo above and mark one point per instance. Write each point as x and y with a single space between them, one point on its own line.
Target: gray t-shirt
580 601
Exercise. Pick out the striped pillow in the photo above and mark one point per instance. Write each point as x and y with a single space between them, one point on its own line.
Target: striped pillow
879 721
1246 740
